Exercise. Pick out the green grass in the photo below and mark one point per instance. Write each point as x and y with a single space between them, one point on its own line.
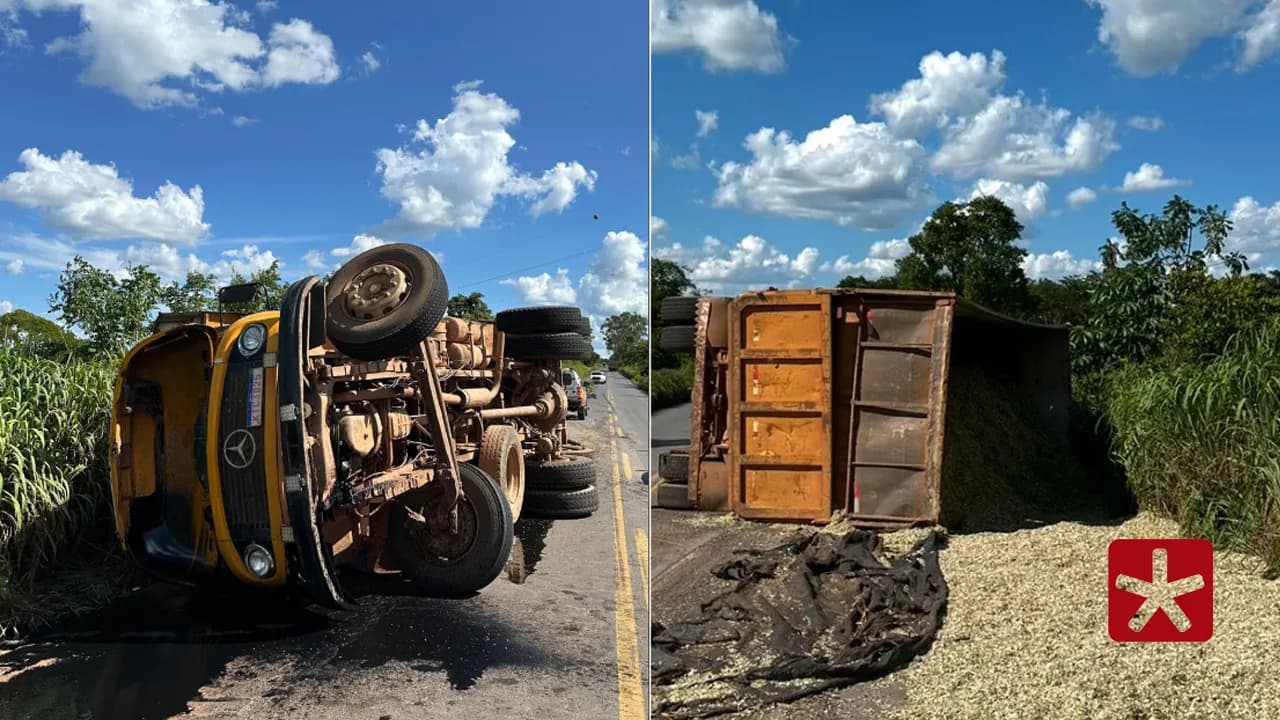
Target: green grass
1202 444
54 485
671 386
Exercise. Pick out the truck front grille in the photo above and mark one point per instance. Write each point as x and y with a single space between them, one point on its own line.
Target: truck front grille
241 461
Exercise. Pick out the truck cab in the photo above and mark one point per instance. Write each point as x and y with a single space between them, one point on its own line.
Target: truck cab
355 427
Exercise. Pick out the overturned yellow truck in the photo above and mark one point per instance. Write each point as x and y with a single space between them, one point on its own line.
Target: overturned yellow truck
356 427
809 404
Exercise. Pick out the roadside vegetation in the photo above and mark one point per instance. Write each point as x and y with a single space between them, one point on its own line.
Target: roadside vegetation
672 373
58 551
1173 340
627 338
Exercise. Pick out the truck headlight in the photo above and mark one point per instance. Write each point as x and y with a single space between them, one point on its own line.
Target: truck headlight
259 561
252 338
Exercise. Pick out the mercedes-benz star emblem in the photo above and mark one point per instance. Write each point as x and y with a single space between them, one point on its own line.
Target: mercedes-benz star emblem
239 449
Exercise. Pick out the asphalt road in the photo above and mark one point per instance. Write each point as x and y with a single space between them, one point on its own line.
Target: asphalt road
564 634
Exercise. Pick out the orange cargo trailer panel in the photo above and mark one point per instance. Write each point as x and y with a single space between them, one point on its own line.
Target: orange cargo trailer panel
780 396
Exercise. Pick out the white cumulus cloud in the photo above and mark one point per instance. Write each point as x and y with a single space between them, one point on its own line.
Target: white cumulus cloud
853 173
1027 201
460 168
93 202
157 53
984 131
751 262
881 260
545 289
1148 37
1055 265
15 266
729 34
1149 177
5 306
1081 196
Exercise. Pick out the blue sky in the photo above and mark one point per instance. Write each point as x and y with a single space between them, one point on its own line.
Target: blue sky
1027 101
292 131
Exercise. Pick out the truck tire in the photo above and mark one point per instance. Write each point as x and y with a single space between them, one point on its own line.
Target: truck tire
672 495
554 346
502 459
568 504
678 338
540 320
679 310
364 324
584 327
483 545
674 466
573 473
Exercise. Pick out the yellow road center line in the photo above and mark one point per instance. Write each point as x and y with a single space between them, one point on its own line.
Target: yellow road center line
630 693
626 465
642 554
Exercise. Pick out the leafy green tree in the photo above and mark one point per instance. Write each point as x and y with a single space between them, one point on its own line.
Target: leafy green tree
274 286
1060 302
627 338
470 307
970 248
888 282
199 293
1149 278
37 335
114 313
666 279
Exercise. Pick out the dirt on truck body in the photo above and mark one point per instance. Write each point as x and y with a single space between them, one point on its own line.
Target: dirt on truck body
357 427
808 403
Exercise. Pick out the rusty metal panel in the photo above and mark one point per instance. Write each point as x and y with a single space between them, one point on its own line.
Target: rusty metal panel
896 377
892 433
938 406
780 406
889 437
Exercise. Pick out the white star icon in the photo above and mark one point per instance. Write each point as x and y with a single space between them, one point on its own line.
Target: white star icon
1160 594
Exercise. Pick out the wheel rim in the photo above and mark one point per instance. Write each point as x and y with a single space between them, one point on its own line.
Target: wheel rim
376 291
511 483
449 548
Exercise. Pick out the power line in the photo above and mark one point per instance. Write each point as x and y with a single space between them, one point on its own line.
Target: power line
526 269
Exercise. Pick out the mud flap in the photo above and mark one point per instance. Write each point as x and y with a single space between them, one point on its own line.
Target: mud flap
298 330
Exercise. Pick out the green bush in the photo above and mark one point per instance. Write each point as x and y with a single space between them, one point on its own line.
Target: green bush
1202 443
54 484
671 386
637 374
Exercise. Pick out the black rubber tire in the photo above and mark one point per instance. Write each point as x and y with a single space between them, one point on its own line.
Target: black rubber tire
399 331
584 327
486 557
678 338
569 504
679 310
674 466
557 346
539 320
571 473
672 495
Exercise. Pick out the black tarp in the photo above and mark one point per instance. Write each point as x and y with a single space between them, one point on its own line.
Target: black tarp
821 611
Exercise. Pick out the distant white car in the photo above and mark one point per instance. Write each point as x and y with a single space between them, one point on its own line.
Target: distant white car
597 377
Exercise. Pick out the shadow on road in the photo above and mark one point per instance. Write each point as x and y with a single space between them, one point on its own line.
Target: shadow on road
145 656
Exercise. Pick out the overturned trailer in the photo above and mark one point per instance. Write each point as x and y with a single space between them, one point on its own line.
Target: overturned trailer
808 403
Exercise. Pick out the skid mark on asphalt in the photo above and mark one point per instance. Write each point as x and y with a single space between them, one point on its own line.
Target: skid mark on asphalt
630 691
